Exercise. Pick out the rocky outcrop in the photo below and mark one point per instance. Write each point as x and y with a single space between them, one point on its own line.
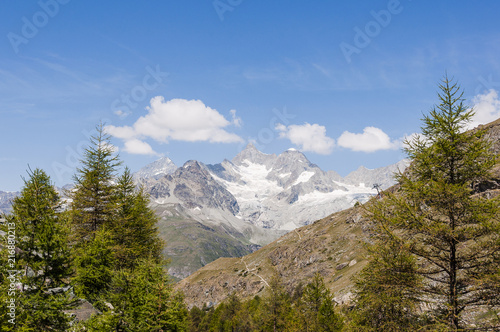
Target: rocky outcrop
193 186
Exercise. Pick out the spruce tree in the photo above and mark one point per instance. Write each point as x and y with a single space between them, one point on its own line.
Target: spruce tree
44 256
453 232
143 299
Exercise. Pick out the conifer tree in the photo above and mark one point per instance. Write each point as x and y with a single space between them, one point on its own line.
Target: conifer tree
277 306
94 198
134 230
318 306
143 299
454 234
44 256
94 261
386 290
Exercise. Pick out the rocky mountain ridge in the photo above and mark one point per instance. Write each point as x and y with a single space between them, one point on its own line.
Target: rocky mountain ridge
247 202
279 192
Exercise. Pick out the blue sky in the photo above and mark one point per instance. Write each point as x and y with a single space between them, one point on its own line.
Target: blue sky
343 81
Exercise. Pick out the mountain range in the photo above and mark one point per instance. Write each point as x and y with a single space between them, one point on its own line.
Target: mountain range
238 205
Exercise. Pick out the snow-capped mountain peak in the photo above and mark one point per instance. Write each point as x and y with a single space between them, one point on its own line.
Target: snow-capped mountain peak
156 169
251 154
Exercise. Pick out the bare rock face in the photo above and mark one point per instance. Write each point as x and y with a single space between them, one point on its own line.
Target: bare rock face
277 192
381 176
286 191
251 153
194 187
252 199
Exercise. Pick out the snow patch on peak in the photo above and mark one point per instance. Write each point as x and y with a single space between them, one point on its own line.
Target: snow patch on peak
156 169
303 177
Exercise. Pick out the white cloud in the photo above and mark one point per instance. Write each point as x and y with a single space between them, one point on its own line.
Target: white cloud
176 119
135 146
372 139
487 108
309 137
124 132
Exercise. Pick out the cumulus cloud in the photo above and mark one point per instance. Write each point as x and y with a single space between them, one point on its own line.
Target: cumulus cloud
372 139
176 119
135 146
309 137
487 108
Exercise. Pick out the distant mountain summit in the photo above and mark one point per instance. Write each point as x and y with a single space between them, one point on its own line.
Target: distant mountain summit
156 169
251 154
383 176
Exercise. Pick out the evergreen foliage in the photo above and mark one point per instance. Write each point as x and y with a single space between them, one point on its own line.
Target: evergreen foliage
318 308
118 262
387 290
314 310
439 221
141 300
94 261
94 197
277 306
134 230
43 257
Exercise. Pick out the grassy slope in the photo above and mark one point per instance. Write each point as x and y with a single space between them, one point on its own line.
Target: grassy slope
323 247
191 245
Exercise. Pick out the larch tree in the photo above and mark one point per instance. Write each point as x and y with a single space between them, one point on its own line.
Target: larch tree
319 307
134 230
453 232
386 291
93 196
44 256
